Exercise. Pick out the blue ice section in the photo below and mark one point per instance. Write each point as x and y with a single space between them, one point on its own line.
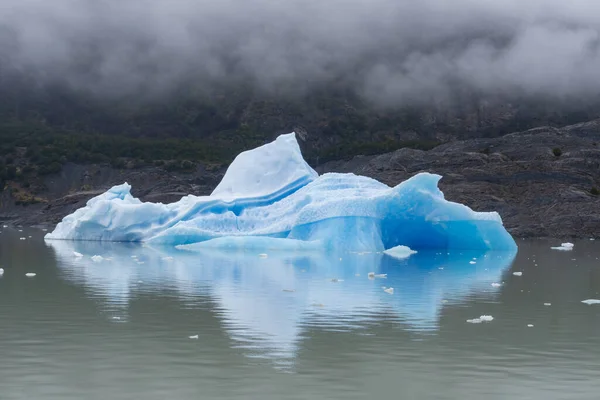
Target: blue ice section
271 192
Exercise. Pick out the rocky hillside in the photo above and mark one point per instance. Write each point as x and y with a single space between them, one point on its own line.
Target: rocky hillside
544 181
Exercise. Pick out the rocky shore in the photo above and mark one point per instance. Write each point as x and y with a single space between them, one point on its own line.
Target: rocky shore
544 182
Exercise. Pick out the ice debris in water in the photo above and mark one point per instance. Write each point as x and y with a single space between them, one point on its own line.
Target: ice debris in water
77 255
194 337
272 192
530 325
263 255
400 252
30 274
496 284
389 290
518 273
97 258
547 304
472 262
591 301
1 271
483 318
564 247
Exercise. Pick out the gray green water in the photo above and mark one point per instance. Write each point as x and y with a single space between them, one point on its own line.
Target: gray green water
295 326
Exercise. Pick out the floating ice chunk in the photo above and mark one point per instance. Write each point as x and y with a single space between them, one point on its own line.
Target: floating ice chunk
400 252
1 271
335 280
167 258
547 304
564 247
194 337
116 318
530 325
22 238
271 192
389 290
289 290
496 284
5 226
97 258
263 255
77 255
133 256
517 273
483 318
472 262
30 274
591 301
371 275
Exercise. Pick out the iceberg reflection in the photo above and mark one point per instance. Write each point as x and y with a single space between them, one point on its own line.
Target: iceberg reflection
265 303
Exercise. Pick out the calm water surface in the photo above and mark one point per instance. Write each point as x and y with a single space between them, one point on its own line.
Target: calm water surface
295 326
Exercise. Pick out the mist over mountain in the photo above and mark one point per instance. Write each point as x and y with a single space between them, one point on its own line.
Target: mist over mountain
389 52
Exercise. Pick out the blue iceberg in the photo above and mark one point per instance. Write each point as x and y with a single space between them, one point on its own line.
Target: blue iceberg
270 196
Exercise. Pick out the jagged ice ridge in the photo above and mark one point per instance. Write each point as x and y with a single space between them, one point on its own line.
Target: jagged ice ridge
270 197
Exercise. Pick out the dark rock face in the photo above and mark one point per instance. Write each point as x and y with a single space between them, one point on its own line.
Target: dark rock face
540 181
536 192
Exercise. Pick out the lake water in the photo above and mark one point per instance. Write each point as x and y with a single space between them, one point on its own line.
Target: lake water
295 326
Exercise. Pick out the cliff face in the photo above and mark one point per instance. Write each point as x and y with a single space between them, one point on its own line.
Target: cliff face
543 182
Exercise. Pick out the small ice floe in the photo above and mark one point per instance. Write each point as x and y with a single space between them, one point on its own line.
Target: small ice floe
133 256
302 270
44 230
483 318
1 271
547 304
400 252
141 262
20 230
263 255
591 301
97 258
518 273
140 281
116 318
496 284
5 226
167 258
373 275
337 280
356 274
78 255
472 262
590 238
318 305
289 290
194 337
530 325
564 247
22 238
444 301
389 290
440 268
30 274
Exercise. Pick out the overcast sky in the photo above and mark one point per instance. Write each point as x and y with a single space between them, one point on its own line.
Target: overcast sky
393 51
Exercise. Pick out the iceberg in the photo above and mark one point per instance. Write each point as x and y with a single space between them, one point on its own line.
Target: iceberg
270 195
